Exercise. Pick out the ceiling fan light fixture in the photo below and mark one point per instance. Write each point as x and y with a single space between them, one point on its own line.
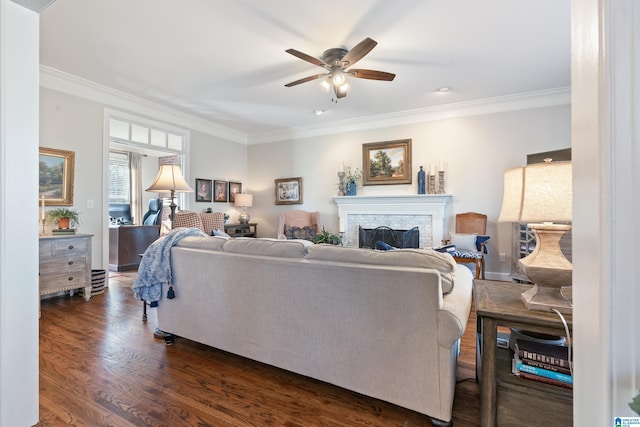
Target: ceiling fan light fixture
339 79
326 85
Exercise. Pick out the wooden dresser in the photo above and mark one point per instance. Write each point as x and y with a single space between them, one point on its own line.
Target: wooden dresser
65 264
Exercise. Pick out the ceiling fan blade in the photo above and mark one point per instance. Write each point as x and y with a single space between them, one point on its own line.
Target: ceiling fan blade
308 58
359 51
372 74
304 80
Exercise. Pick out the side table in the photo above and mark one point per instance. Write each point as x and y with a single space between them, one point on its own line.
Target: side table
242 230
508 400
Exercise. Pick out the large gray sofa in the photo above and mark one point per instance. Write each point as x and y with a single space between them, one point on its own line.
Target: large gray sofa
385 324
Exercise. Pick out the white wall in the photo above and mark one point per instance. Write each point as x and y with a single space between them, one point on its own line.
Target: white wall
18 215
476 151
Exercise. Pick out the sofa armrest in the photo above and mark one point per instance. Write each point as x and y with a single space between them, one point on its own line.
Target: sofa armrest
456 307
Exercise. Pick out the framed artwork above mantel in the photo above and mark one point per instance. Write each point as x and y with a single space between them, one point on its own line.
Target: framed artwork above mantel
387 162
56 168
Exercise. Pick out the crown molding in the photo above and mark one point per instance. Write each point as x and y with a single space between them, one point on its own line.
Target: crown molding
522 101
52 78
58 80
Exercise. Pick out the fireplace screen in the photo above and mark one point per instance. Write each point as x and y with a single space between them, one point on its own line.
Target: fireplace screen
396 238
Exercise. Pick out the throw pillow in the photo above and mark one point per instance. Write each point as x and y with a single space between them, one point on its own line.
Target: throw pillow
305 233
480 240
220 233
464 242
382 246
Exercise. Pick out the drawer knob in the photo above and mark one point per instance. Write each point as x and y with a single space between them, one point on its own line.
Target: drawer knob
70 278
70 246
70 262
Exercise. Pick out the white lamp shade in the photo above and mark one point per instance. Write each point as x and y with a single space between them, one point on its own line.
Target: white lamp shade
170 179
244 200
538 192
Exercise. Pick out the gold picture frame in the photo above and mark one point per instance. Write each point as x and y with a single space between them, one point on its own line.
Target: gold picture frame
387 162
289 191
56 177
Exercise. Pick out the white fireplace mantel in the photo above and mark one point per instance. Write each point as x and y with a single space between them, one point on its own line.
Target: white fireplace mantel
426 211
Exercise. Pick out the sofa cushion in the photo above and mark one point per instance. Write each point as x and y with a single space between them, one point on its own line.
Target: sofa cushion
267 247
421 258
202 242
306 232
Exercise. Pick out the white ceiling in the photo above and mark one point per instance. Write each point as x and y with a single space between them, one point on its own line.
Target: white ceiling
225 61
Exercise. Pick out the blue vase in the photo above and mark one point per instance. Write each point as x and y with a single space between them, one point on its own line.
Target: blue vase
421 181
351 189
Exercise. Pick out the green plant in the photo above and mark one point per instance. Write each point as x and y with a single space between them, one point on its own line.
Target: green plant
635 404
57 214
325 236
353 176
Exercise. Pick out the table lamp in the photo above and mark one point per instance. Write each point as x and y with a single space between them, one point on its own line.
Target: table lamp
542 193
170 179
246 201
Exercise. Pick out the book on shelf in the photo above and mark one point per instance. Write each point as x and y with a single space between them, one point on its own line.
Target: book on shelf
544 380
554 368
551 354
518 367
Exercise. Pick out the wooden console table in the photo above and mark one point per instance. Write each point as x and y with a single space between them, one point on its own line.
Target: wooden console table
127 242
242 230
65 264
508 400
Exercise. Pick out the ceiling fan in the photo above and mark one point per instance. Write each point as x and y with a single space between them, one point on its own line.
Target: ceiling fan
337 61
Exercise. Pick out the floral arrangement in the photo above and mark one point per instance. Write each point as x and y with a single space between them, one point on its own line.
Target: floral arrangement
57 214
352 175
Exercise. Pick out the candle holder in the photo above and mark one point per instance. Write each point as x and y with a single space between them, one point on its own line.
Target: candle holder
42 223
431 189
341 184
440 182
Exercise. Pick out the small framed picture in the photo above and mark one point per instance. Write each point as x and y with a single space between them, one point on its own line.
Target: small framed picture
220 191
289 191
234 188
203 190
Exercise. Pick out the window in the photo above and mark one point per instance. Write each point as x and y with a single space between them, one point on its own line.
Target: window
119 177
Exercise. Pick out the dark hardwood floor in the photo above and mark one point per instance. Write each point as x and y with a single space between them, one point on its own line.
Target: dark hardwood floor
101 366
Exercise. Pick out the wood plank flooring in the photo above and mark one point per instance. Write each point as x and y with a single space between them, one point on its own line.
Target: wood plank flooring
101 366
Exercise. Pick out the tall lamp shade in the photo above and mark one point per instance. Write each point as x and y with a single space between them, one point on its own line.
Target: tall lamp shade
539 194
170 180
245 201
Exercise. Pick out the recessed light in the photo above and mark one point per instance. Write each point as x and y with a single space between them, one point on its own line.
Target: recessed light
318 112
443 89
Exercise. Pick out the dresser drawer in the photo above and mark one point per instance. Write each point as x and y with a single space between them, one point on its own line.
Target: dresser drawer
62 281
66 262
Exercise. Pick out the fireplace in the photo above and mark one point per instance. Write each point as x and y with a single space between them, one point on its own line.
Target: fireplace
367 237
428 212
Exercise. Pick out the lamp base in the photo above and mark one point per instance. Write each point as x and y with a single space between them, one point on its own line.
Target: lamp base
546 299
244 217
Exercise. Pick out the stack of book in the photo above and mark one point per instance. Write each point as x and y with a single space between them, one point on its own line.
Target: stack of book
63 231
543 362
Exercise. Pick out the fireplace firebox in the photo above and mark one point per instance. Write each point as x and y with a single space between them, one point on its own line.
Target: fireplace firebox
396 238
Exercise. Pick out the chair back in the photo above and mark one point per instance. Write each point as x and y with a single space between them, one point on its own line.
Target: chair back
297 218
471 222
153 216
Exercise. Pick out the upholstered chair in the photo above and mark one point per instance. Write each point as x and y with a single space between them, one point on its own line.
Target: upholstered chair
298 224
153 216
470 240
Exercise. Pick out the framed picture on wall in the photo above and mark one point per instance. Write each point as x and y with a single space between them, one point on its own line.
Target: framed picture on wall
387 162
289 191
204 190
56 177
220 191
234 188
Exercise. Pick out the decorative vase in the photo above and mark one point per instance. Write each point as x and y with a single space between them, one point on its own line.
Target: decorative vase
421 181
351 188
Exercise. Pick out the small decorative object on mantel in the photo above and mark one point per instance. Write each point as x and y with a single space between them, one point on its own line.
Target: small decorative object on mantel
421 180
351 181
431 189
340 183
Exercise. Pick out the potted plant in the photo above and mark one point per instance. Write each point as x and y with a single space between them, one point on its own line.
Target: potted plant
326 237
351 179
64 217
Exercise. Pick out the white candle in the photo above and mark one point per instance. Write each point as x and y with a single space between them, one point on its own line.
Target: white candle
431 169
440 166
42 210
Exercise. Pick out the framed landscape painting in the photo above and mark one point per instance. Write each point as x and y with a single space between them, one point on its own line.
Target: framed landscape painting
289 191
56 176
387 162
